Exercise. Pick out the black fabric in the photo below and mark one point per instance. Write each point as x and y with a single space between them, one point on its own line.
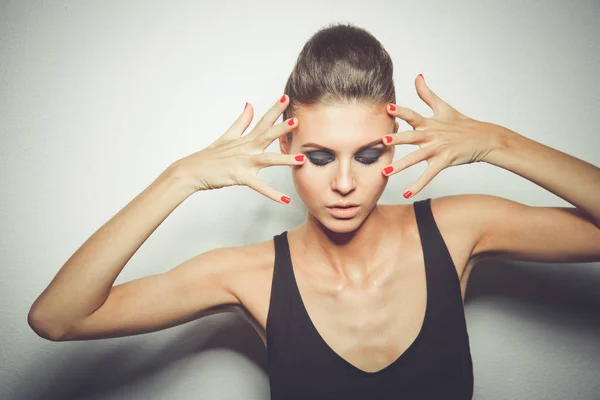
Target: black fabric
437 365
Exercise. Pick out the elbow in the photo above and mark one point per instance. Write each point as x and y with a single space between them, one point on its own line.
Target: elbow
43 328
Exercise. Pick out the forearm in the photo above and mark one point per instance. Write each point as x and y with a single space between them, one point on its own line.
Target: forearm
83 283
568 177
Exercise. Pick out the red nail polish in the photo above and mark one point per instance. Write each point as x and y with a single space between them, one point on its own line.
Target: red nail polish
388 139
291 122
392 107
246 105
282 99
388 170
407 194
300 157
285 199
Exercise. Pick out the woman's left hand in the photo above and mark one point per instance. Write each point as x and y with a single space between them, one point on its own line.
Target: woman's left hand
447 139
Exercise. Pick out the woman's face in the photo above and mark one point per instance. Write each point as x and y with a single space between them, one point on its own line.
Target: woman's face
344 158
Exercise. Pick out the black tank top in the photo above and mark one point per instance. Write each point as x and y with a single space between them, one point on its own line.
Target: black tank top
437 365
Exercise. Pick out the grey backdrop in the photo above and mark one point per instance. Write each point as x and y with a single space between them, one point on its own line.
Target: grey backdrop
98 97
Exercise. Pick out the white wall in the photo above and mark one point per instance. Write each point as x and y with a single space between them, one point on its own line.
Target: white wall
98 97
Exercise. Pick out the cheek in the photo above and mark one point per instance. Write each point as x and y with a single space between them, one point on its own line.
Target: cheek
375 182
308 180
307 174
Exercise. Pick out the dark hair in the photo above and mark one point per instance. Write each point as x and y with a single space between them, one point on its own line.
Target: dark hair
340 63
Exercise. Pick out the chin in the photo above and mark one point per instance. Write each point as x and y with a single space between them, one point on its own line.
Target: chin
341 225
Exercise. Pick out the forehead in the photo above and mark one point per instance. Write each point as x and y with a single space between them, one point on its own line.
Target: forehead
335 124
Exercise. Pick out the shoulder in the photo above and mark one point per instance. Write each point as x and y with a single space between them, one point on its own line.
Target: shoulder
453 216
250 257
252 264
456 210
465 214
449 213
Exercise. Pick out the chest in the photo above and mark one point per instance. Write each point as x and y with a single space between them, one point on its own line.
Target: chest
368 326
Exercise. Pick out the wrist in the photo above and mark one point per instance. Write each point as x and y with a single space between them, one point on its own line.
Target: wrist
176 178
503 139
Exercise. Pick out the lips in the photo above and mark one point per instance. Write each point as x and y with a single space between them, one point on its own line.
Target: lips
345 211
343 205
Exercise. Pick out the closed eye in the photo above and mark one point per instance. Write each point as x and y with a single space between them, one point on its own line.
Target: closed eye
322 158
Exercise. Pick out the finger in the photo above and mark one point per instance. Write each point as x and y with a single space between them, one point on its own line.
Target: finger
413 118
236 130
408 160
271 116
406 137
267 137
424 179
429 97
270 159
266 190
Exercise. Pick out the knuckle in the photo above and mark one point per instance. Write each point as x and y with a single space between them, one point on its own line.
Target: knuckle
238 178
263 138
431 123
266 158
445 155
250 148
422 136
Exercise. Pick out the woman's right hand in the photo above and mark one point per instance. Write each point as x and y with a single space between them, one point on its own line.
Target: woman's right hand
235 160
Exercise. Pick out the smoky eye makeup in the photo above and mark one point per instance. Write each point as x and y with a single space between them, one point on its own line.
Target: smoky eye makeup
321 158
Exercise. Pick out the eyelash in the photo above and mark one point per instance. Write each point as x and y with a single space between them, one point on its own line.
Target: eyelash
368 161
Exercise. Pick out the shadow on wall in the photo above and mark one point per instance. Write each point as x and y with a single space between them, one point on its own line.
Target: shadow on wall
89 374
572 289
559 357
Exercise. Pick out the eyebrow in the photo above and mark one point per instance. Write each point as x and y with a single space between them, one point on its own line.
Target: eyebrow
315 145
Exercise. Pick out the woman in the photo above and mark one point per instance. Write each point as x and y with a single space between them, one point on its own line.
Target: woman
362 300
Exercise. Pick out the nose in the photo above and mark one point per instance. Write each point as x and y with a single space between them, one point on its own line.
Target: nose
344 180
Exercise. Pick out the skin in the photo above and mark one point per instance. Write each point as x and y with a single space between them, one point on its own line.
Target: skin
362 280
342 246
368 306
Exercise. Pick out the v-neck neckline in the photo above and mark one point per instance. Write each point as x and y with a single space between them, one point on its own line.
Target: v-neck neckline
351 368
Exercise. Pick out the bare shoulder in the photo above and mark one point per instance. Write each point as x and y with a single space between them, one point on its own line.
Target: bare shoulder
251 283
451 215
255 267
454 218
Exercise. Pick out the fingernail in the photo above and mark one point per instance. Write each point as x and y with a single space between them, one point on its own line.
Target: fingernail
388 139
388 170
392 107
282 100
300 157
291 121
407 194
245 106
285 199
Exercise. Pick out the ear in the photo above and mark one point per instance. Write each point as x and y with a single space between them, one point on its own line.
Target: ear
284 145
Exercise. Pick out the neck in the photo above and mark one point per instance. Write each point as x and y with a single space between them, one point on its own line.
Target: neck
353 257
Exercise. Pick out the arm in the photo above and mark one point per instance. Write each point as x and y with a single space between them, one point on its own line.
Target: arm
570 178
497 226
80 302
500 228
507 229
83 283
200 286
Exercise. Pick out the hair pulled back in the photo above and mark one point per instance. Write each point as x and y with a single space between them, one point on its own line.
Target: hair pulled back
340 63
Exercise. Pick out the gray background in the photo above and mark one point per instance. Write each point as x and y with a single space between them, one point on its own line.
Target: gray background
97 98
